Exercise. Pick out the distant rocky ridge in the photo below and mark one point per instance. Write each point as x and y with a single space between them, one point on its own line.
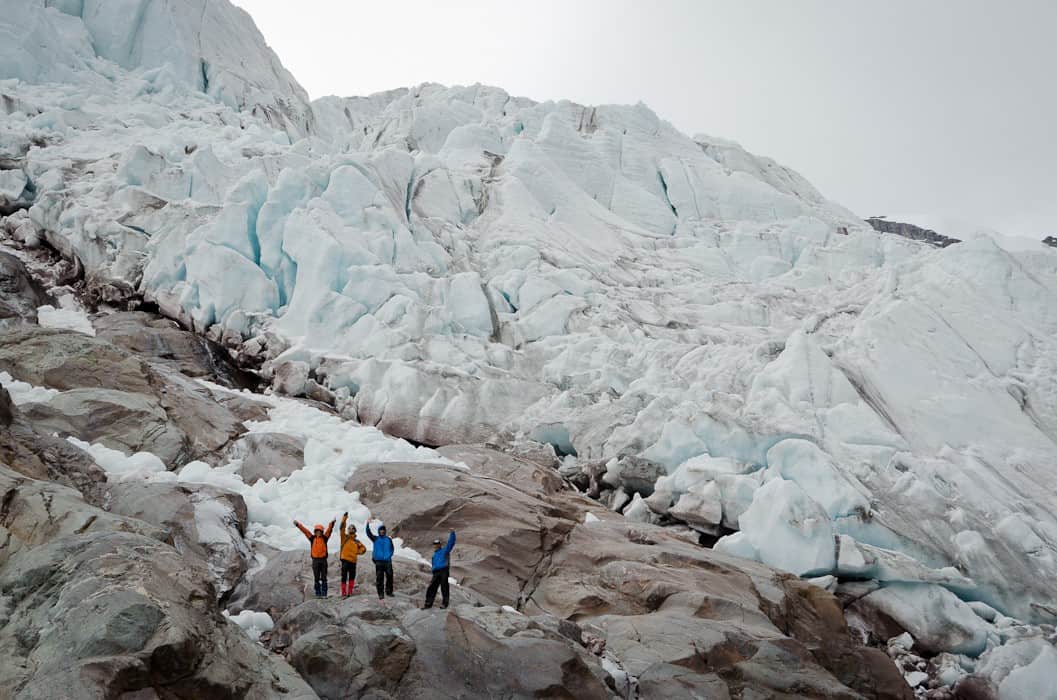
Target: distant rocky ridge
1050 241
914 233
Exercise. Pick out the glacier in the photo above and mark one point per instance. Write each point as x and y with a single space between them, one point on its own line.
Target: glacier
456 264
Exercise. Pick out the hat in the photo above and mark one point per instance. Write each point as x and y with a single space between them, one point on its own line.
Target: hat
318 527
436 541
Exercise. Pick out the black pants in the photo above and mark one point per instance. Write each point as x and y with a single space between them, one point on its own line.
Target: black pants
319 574
383 578
440 579
348 571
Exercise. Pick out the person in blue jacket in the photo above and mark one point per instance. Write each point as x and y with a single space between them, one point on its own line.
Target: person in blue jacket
441 567
382 555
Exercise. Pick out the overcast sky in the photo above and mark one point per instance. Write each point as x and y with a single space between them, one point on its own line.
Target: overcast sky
945 109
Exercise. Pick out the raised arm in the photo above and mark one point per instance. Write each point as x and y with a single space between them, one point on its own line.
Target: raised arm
330 529
370 534
341 531
303 529
451 542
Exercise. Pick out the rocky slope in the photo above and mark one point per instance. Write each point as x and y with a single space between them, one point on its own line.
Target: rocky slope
691 334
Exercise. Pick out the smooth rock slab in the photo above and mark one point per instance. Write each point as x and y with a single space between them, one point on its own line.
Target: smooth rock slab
202 521
65 360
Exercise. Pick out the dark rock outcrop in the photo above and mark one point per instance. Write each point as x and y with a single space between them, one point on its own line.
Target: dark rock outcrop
914 233
20 294
1050 241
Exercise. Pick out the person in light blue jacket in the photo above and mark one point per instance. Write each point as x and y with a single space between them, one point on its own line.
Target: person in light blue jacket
382 555
441 568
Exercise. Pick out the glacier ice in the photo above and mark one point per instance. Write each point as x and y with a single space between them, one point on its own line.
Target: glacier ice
456 264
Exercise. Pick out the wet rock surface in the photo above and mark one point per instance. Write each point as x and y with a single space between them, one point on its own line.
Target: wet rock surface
163 341
151 407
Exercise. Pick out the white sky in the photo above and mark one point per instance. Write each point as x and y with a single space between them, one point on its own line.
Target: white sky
947 109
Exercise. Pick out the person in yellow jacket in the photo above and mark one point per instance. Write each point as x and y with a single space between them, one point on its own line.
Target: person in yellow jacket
351 548
318 537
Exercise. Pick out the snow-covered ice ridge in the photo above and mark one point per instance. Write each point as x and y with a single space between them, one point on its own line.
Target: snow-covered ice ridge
456 264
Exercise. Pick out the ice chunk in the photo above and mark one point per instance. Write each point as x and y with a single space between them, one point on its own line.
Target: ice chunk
1034 681
117 464
22 392
788 530
468 305
936 618
74 319
700 507
252 622
814 471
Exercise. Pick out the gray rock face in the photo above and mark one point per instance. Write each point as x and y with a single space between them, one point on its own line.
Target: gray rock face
464 652
41 456
1050 241
203 522
20 295
33 512
505 532
268 455
682 619
119 419
96 602
284 581
183 420
162 340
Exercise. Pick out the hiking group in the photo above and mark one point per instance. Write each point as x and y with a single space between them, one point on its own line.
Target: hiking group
381 554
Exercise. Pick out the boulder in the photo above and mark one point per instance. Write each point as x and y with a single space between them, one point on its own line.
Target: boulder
281 582
638 474
41 456
20 294
204 522
357 647
163 341
66 361
345 649
268 455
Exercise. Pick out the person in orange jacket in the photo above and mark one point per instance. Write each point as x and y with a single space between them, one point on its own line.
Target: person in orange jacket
351 548
318 537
